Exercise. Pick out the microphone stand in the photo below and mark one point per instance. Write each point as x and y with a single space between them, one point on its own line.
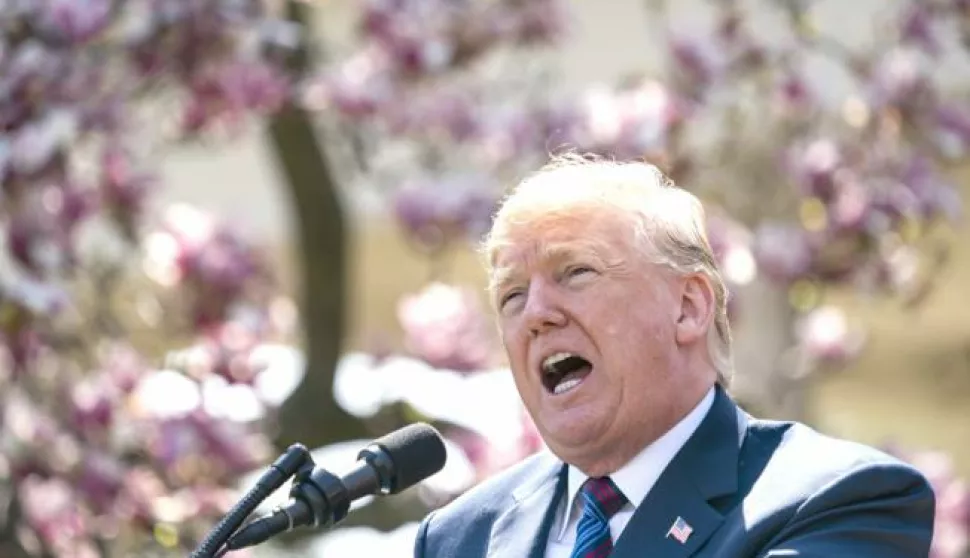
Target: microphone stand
285 466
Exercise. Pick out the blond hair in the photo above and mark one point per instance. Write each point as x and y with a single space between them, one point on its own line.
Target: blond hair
668 223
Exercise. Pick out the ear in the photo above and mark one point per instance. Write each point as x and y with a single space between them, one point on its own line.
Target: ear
696 309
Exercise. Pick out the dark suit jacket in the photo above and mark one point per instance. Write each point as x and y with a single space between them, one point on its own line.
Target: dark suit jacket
747 487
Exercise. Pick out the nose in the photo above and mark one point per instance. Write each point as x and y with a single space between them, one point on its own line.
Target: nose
542 312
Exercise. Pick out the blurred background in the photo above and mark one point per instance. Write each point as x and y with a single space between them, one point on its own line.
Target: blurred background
233 225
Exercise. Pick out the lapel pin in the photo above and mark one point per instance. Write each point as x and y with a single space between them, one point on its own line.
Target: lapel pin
680 530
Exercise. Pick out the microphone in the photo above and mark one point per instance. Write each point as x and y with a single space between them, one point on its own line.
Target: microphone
388 465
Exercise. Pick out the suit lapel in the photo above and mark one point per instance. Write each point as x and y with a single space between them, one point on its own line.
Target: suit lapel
704 469
524 528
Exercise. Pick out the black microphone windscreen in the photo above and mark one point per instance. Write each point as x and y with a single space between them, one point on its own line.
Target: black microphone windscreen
417 451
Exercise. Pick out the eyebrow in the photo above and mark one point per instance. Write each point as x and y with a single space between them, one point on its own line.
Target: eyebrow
502 277
554 252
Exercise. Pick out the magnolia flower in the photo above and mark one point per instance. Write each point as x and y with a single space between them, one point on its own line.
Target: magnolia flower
75 20
193 383
93 402
213 264
444 113
363 384
49 509
934 197
37 297
357 87
98 447
783 252
177 444
825 334
123 188
453 208
510 135
901 79
536 22
446 327
697 64
916 26
850 207
794 95
25 303
427 37
630 122
814 167
100 478
953 122
731 244
35 145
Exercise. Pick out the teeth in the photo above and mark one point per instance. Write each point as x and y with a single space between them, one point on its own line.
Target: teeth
555 359
563 387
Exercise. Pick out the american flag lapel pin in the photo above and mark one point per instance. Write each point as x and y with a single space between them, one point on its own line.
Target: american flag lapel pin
680 530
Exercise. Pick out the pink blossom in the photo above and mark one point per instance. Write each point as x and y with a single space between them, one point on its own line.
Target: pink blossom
955 120
93 405
795 95
179 444
826 335
916 26
123 187
99 480
783 252
445 326
75 20
814 167
49 508
901 79
451 208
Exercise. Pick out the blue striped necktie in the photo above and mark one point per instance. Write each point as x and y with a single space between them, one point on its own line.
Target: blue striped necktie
601 500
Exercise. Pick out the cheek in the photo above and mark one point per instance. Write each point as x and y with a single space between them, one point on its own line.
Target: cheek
521 376
614 330
516 348
638 336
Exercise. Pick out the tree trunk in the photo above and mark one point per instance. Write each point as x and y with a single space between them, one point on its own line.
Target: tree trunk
769 378
10 520
310 415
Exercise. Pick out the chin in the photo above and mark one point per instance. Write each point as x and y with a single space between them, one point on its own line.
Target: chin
593 463
575 441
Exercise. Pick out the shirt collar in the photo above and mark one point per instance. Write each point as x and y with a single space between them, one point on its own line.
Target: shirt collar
637 477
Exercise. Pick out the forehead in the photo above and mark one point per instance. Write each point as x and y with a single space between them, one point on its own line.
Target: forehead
543 237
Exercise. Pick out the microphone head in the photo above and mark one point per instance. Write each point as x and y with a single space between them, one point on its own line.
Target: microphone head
415 452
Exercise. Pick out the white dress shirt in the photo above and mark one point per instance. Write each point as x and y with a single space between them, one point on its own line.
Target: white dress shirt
635 479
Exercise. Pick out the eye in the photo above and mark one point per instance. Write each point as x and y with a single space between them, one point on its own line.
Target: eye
576 270
507 297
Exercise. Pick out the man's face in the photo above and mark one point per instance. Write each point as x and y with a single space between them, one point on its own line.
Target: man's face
589 327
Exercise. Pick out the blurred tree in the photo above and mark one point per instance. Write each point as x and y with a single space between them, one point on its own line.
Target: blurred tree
108 449
115 444
321 236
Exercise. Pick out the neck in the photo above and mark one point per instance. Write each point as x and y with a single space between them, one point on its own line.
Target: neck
607 462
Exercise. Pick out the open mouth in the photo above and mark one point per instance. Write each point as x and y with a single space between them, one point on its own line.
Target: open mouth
563 372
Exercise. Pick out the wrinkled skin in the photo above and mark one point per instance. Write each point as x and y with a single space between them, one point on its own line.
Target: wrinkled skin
577 283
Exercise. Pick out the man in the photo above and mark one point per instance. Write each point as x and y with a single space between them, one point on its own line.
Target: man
613 316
